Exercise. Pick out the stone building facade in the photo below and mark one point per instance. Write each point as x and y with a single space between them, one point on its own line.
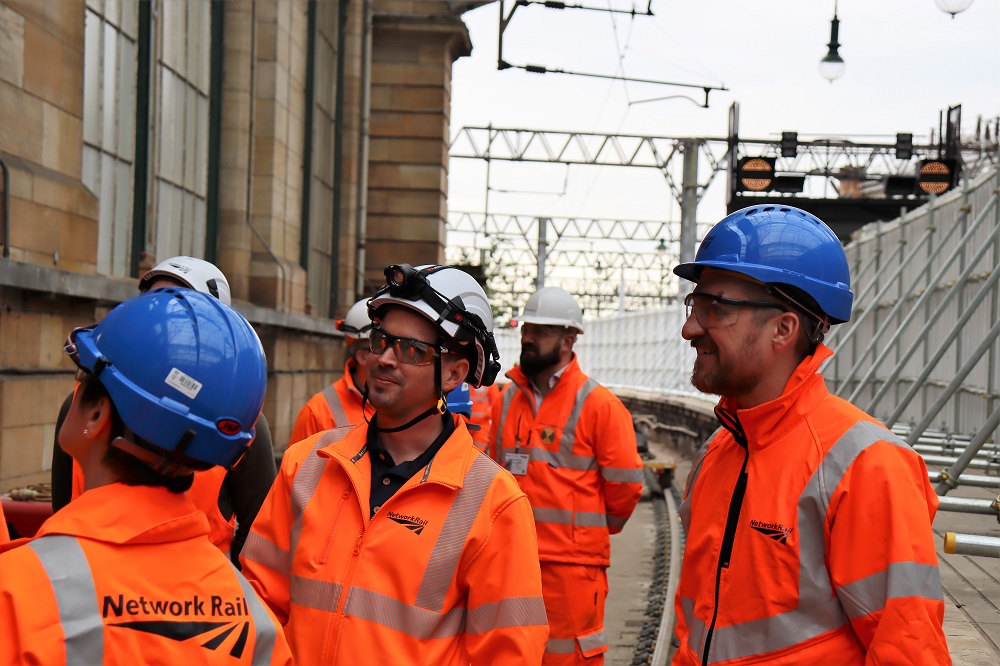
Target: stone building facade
301 145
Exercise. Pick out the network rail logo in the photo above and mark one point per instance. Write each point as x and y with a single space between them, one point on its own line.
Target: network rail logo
415 524
774 531
219 619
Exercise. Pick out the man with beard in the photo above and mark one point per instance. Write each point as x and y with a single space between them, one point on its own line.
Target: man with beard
808 523
570 443
397 542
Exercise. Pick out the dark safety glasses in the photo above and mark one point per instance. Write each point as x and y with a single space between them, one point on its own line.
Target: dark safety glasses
407 350
713 311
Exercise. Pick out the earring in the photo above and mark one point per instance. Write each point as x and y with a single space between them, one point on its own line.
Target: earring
85 431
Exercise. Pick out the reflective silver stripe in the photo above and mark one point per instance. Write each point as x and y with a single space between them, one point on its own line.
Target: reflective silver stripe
448 548
559 459
410 620
696 628
72 581
265 628
567 517
511 612
507 397
261 550
560 645
776 632
317 594
615 521
336 406
307 479
903 579
594 641
622 474
569 428
685 508
303 487
819 610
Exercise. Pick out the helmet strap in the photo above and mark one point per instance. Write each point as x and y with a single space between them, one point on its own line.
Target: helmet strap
439 408
161 464
820 323
431 411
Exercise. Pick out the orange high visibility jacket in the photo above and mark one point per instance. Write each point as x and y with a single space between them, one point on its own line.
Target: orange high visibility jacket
827 558
335 406
126 575
446 572
482 411
204 492
584 473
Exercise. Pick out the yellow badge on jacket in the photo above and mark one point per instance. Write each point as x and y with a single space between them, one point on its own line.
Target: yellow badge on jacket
548 436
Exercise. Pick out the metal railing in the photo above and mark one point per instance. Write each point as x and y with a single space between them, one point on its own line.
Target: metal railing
922 345
922 350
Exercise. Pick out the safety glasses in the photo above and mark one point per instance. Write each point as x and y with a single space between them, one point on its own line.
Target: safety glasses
407 350
713 311
70 347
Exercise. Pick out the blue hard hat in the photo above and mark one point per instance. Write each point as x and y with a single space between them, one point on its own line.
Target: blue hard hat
186 372
777 244
460 400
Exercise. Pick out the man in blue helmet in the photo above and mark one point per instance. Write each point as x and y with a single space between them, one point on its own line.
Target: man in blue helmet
808 523
169 382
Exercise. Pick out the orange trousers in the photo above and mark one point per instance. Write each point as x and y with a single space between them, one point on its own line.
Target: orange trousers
574 603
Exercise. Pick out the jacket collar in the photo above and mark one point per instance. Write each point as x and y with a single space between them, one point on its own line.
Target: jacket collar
768 422
448 467
117 513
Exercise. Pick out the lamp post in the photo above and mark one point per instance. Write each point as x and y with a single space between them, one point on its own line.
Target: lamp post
832 66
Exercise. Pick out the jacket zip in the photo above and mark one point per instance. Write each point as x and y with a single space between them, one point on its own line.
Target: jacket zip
347 583
731 423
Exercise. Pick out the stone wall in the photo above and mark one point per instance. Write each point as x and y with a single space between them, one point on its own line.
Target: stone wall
50 282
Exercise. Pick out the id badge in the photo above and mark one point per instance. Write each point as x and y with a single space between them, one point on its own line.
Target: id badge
517 463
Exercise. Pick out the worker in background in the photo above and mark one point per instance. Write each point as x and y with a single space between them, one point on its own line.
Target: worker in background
341 403
808 523
482 414
397 542
168 383
4 534
460 402
229 498
570 444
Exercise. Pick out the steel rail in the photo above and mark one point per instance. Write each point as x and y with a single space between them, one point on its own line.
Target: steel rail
666 632
971 544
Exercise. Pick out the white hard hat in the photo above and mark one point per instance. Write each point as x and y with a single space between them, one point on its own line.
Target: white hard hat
356 324
193 273
454 301
552 306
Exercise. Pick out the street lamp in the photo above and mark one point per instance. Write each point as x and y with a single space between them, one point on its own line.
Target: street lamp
953 6
832 66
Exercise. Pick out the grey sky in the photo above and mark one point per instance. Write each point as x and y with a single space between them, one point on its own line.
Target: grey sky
906 61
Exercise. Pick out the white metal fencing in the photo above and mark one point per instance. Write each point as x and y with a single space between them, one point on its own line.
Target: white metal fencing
921 344
926 313
638 349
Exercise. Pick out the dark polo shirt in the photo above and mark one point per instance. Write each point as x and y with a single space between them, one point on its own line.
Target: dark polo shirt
387 476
